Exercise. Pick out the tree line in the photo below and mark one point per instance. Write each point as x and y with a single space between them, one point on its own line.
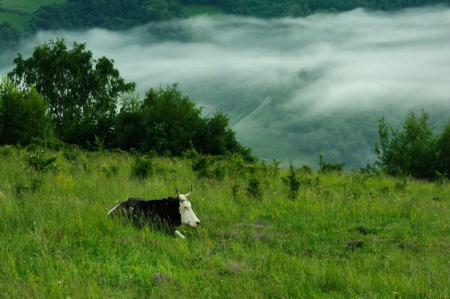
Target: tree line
61 94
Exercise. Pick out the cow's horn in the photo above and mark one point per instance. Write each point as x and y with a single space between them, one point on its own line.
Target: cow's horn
178 194
187 194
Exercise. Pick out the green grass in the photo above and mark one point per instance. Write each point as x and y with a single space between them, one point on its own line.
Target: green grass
345 236
14 19
193 10
25 6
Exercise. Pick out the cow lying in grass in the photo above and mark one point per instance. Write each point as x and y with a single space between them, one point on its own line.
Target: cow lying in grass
163 214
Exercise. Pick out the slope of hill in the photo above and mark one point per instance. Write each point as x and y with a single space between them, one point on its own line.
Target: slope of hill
344 236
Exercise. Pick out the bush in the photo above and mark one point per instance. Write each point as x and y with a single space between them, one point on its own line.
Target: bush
293 182
142 168
443 148
39 162
254 188
23 115
411 151
326 167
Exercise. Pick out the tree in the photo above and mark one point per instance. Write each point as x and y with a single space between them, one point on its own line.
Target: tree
412 151
23 115
171 120
443 145
82 93
168 122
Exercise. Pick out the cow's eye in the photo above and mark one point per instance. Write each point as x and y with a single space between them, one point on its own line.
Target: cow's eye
186 208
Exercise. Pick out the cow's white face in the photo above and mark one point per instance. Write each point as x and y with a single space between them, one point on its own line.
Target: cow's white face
188 216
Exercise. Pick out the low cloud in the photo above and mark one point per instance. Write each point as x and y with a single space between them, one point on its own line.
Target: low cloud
353 61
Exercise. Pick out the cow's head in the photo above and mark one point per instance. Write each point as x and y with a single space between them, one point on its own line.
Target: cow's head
187 214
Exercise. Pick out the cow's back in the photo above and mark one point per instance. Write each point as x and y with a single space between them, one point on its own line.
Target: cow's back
158 212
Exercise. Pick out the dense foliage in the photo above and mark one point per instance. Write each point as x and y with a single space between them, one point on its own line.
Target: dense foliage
167 122
23 115
414 150
89 104
10 36
82 93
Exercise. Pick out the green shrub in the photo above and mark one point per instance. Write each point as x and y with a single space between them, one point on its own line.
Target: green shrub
6 150
254 188
142 168
110 171
292 181
326 167
412 151
39 162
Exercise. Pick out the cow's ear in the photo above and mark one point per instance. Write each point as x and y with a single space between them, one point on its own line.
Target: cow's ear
178 194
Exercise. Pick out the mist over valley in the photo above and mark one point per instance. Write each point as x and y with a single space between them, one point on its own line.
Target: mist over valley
292 87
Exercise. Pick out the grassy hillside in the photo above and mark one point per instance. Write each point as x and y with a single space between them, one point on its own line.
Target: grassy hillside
345 236
17 12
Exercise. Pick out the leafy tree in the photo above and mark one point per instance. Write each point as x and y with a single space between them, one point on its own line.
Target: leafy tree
171 120
23 115
82 93
412 151
443 146
168 122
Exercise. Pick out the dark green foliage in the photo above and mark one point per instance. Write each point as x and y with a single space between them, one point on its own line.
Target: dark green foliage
6 150
411 151
142 168
326 167
169 123
254 188
293 182
113 14
23 115
39 162
9 37
209 167
32 186
443 149
71 154
110 171
201 165
81 92
119 15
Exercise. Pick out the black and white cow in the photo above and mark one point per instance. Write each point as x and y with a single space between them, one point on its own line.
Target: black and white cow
163 214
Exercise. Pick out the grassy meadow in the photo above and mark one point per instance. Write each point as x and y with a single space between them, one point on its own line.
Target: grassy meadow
346 235
25 7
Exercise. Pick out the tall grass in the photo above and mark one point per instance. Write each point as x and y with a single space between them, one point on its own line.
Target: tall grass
343 236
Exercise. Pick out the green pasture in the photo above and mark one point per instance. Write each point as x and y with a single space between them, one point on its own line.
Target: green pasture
24 6
346 235
27 6
19 21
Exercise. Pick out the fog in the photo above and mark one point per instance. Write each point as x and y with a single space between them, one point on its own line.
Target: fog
267 73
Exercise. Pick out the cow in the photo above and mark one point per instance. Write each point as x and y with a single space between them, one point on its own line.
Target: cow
164 214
